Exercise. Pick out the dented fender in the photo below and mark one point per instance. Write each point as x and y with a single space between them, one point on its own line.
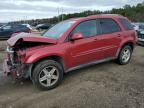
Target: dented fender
34 55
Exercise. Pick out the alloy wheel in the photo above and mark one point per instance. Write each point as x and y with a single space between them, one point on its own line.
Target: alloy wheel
48 76
126 55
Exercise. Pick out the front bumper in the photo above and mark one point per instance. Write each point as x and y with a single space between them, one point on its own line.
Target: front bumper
17 71
6 67
141 40
9 70
140 37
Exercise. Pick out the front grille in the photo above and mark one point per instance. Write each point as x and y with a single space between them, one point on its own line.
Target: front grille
141 36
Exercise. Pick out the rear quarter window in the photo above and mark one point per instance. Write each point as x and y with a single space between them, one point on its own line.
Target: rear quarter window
126 24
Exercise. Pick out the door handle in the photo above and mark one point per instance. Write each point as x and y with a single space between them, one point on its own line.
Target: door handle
96 39
118 35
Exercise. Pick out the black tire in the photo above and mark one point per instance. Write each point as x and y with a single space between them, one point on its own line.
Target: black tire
37 72
120 59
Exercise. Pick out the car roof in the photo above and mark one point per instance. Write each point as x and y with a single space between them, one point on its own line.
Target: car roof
99 16
106 16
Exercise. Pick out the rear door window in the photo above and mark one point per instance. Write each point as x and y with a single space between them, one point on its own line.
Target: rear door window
126 24
108 25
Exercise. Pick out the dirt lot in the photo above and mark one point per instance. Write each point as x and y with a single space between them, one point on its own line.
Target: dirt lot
2 45
106 85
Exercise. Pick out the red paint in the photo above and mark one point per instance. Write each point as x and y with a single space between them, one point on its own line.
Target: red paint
27 37
81 51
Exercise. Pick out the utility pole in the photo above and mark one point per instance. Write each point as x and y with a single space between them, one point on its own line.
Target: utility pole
62 14
58 10
58 14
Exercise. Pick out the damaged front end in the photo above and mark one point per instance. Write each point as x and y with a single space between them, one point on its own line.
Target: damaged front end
18 50
13 65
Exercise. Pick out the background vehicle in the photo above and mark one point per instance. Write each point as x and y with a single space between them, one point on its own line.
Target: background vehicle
28 26
139 27
41 27
2 24
69 45
7 30
32 28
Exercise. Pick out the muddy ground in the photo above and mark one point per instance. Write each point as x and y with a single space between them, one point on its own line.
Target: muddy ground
106 85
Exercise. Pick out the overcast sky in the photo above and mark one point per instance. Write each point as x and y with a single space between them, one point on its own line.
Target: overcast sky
11 10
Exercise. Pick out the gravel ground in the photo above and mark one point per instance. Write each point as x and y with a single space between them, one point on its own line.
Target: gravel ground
2 45
106 85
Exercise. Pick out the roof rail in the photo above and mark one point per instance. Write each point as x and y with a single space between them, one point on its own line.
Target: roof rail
106 15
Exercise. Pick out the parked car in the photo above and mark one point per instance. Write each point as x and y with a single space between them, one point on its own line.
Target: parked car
32 28
1 24
69 45
6 31
41 27
29 26
139 27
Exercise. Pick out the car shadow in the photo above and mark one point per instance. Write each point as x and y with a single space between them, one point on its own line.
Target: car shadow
7 82
95 67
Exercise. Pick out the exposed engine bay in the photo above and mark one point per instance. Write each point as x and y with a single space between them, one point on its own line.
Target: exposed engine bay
16 53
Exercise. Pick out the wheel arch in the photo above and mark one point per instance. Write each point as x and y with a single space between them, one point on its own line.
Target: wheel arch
56 58
130 43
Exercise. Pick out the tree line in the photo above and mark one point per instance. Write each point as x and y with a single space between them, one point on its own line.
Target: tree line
134 13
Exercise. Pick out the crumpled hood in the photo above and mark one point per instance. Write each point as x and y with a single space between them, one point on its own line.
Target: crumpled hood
28 37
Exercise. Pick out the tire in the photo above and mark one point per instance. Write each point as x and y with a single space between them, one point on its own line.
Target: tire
47 75
122 58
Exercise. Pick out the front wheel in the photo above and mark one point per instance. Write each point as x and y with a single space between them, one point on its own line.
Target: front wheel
47 74
125 55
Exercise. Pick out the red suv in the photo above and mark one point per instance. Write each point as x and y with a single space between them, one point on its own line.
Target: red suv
67 46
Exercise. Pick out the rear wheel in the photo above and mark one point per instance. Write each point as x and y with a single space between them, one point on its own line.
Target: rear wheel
47 74
125 55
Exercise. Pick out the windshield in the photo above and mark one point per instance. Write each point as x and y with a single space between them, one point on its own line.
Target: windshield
59 29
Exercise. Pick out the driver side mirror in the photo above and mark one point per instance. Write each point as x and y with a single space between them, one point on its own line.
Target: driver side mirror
77 36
